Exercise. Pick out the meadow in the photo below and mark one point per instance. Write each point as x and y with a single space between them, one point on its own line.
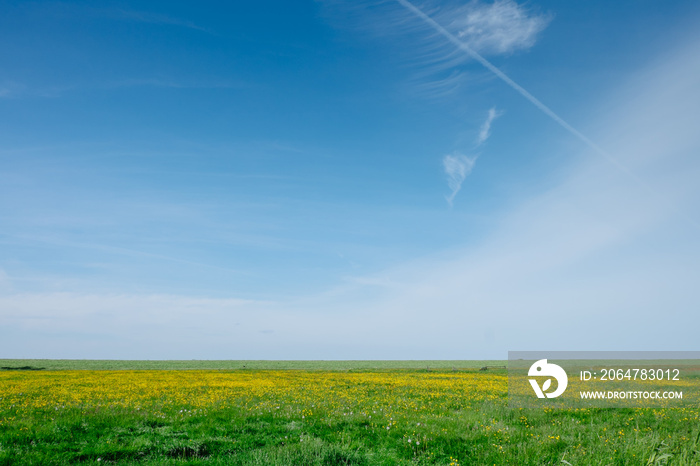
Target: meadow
315 413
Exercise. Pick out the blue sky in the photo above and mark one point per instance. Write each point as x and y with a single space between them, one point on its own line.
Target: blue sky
339 180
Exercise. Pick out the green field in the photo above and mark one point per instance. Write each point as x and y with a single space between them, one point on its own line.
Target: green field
315 413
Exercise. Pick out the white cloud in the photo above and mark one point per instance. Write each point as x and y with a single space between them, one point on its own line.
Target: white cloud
497 28
485 130
473 52
457 168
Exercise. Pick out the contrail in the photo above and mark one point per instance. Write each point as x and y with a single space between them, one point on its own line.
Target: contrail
546 110
491 67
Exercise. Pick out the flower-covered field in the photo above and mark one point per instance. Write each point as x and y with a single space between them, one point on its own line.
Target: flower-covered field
300 417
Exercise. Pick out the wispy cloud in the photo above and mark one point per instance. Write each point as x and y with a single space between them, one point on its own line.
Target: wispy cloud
491 29
457 167
485 130
474 54
495 28
439 87
498 28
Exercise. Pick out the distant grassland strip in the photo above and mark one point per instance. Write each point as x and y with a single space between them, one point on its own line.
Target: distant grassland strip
109 364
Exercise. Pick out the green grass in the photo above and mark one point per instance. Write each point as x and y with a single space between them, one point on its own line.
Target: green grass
476 431
230 437
110 364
